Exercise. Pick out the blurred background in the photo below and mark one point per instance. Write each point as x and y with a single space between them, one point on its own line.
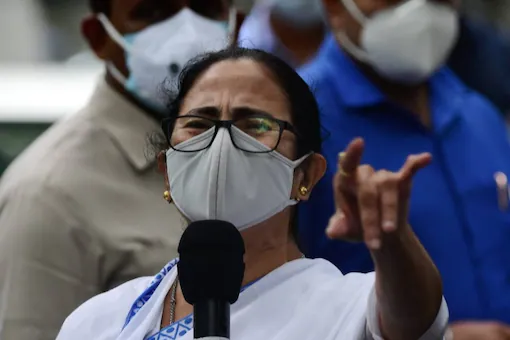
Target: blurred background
46 71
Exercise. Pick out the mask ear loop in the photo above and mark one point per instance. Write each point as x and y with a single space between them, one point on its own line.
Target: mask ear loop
353 9
351 47
112 32
119 39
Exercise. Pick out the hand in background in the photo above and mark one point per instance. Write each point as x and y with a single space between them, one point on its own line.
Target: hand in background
474 330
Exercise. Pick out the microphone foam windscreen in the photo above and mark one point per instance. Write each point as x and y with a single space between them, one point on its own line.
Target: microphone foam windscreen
211 262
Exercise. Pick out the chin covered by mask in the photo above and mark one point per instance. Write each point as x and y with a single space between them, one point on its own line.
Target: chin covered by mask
406 43
225 183
300 13
156 54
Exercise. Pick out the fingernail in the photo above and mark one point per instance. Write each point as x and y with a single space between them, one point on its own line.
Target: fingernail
374 244
389 226
331 224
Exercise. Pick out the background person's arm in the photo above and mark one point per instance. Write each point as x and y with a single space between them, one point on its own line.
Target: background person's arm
48 264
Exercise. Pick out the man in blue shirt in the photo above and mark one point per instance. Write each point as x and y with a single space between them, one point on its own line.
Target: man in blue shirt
291 29
380 76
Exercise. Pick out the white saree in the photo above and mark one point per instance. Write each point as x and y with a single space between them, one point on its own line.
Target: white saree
302 300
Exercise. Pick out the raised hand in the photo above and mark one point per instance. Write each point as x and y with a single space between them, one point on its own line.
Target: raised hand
371 204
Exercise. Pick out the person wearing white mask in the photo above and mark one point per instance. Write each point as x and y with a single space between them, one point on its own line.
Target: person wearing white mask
291 29
382 76
242 144
80 210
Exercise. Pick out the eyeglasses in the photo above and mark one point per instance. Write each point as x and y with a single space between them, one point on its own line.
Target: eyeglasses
265 129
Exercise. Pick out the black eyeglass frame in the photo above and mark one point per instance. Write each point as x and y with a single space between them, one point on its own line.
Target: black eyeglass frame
168 123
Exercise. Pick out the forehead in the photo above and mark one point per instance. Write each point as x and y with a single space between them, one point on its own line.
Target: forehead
238 83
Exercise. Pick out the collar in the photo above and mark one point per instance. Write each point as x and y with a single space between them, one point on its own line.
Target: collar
128 125
354 88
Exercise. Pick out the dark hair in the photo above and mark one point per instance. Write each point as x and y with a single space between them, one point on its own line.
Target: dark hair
303 106
100 6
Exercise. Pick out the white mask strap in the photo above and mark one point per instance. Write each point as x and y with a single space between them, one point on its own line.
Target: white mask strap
112 32
356 13
116 74
352 48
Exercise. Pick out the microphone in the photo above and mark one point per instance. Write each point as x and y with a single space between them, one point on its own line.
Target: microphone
211 271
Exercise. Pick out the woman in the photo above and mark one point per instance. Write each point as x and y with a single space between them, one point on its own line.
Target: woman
243 146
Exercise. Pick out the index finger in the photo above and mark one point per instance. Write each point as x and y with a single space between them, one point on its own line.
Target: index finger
345 178
350 159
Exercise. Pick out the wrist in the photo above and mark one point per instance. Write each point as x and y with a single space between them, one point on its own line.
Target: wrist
395 243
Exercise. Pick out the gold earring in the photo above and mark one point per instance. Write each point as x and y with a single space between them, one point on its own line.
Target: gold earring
303 191
166 196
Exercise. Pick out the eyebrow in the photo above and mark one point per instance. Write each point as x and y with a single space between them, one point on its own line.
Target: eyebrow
237 113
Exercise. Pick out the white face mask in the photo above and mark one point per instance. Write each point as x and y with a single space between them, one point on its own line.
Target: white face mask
406 43
156 54
299 12
228 184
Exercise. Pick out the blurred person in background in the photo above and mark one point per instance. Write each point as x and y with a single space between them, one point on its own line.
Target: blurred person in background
81 210
290 29
295 29
380 76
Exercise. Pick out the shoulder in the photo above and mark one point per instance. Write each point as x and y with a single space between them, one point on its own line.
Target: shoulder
477 106
315 72
58 152
46 179
63 157
478 113
103 316
256 22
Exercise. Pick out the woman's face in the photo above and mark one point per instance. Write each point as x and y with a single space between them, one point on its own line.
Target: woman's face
235 89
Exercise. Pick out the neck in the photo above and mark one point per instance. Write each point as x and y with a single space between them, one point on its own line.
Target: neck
268 246
301 42
414 98
114 84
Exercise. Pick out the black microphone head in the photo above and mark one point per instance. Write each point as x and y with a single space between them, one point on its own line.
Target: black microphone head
211 262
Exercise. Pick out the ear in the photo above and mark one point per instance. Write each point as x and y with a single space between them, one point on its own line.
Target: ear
96 36
309 175
335 13
162 168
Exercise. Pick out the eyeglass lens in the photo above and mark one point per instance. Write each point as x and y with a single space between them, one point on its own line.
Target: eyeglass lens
264 129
